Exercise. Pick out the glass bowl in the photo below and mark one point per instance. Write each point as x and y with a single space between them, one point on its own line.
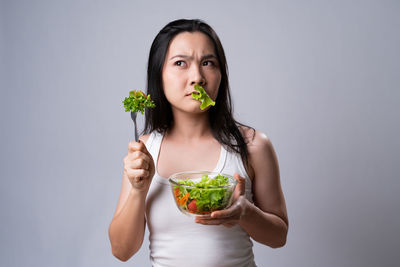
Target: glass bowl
198 193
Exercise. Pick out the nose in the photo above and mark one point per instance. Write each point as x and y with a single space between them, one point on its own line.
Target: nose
197 77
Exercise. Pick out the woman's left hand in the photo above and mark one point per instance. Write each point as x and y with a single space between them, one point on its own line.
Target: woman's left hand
231 216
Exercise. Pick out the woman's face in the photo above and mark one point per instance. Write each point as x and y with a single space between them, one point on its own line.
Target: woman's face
191 59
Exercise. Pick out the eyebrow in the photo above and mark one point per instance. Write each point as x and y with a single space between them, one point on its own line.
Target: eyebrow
208 56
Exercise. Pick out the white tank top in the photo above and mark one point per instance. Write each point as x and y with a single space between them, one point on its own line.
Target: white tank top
176 240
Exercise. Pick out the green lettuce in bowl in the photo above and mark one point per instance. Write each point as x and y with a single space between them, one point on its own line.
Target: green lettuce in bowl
201 192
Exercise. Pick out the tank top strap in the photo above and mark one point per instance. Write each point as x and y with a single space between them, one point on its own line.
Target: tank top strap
153 144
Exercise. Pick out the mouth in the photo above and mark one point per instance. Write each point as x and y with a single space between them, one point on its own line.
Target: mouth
193 92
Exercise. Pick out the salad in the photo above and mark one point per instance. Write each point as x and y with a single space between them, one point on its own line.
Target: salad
204 195
137 102
203 97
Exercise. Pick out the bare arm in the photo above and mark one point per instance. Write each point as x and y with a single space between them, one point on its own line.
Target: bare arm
266 220
127 227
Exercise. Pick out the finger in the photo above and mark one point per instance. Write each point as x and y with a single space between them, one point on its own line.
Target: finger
222 214
137 173
139 163
132 146
233 211
209 222
137 146
216 222
139 155
148 158
139 179
144 153
241 185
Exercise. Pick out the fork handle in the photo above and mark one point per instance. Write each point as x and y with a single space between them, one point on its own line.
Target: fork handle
136 131
133 117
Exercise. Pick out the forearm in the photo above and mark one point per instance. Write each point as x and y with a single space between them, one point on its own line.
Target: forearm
127 228
266 228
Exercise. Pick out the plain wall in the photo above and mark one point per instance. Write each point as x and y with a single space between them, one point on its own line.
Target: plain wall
320 78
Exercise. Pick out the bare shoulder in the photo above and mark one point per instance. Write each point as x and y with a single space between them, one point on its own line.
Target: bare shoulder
257 142
262 157
263 163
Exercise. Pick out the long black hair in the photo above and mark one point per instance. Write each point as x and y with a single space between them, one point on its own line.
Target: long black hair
223 126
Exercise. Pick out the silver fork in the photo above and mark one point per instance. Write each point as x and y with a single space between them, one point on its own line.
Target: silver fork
133 116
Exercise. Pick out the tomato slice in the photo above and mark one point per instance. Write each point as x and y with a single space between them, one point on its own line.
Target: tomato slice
192 205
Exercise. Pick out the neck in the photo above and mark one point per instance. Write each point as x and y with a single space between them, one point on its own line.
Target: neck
190 127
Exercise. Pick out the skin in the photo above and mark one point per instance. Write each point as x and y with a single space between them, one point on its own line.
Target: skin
189 145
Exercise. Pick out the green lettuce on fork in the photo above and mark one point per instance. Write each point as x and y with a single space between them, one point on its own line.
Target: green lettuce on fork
137 102
203 97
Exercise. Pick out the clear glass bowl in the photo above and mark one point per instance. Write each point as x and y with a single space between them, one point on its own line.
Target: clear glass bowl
198 198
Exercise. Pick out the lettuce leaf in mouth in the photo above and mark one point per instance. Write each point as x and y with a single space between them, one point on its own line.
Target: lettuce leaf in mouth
203 97
137 102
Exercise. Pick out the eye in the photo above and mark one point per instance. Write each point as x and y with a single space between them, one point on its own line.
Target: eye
209 63
180 63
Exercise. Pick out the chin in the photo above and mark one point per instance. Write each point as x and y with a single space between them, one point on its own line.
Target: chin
193 109
196 110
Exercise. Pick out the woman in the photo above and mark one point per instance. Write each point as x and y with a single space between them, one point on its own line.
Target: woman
182 137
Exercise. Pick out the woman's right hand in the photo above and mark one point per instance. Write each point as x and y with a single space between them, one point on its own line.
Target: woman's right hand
139 166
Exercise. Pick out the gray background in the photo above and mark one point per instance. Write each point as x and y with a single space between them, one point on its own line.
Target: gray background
321 78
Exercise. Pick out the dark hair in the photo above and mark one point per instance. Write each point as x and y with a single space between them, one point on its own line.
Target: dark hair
223 126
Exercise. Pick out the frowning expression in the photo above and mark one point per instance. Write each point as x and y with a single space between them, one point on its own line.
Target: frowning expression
191 59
